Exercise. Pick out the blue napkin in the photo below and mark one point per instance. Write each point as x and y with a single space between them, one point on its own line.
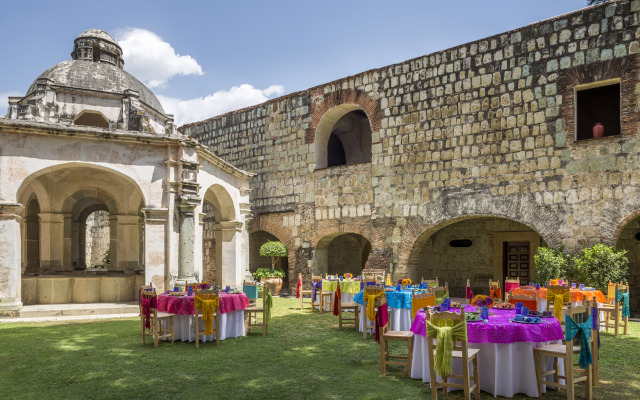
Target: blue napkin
398 287
446 305
423 285
522 318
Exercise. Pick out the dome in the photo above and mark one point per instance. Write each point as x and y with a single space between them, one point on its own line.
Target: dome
99 77
97 34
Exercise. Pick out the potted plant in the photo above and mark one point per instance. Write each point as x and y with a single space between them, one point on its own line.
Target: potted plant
272 278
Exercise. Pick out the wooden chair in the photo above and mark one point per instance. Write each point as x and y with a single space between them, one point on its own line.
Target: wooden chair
559 292
460 351
565 352
348 319
251 290
511 284
495 291
251 314
207 295
595 351
387 336
155 318
430 282
527 301
613 317
468 293
369 291
322 298
441 292
305 292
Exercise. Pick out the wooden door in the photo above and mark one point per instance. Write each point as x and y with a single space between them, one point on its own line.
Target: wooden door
517 261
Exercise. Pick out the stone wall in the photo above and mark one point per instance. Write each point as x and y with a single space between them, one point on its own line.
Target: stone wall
97 239
482 129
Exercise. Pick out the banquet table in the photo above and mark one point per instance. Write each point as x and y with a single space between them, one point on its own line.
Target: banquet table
399 304
347 288
576 296
231 315
505 361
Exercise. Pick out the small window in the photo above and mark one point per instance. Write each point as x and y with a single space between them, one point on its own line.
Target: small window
598 109
96 53
460 243
91 118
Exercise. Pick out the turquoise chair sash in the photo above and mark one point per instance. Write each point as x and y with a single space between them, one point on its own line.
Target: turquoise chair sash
572 328
626 312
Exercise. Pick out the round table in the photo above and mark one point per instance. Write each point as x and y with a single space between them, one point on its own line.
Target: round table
231 316
399 304
505 361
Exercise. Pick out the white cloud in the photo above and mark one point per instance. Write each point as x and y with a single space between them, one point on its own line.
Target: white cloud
220 102
4 101
152 60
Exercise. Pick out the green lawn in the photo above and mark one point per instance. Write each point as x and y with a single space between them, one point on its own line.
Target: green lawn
303 356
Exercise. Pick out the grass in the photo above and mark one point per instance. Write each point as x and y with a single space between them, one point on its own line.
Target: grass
304 356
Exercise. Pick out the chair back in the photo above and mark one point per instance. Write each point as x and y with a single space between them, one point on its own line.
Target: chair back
143 288
611 293
448 318
527 301
208 294
316 279
579 314
251 290
511 284
430 282
420 300
149 295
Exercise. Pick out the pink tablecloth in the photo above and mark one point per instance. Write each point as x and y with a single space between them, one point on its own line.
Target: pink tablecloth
500 330
184 304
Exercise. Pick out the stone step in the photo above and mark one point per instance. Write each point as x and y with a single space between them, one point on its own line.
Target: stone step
69 310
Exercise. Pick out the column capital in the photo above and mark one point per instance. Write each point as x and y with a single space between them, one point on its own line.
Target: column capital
11 211
229 226
53 218
188 204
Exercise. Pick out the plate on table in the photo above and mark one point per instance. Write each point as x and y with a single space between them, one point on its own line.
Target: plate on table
523 322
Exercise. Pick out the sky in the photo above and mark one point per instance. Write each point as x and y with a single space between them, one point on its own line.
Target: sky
205 58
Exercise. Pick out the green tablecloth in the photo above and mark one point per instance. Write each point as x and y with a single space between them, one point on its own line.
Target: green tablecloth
345 286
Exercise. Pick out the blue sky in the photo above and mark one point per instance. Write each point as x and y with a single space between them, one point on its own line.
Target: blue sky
205 58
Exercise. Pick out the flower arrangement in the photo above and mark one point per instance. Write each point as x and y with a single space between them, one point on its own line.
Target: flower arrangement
205 286
482 300
348 276
404 282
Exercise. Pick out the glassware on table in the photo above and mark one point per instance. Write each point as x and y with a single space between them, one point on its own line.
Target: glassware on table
537 286
518 308
582 286
573 285
525 311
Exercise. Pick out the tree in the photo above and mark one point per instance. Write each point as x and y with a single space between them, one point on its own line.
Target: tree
597 265
275 250
551 264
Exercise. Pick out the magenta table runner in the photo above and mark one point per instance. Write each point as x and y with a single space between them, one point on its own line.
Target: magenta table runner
184 304
499 329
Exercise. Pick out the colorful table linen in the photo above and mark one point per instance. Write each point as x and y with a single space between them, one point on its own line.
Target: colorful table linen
576 294
401 299
184 305
345 286
499 329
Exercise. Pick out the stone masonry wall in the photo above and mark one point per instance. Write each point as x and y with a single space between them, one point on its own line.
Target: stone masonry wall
482 129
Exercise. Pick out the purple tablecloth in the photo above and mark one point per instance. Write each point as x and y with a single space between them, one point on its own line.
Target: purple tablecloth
500 330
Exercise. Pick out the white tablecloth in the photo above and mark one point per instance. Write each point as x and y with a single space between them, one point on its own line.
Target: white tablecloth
504 369
399 319
345 298
231 326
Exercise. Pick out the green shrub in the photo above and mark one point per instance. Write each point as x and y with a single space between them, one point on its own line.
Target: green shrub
275 250
551 264
268 273
597 265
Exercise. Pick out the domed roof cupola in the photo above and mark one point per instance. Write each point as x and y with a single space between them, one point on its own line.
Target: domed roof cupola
97 46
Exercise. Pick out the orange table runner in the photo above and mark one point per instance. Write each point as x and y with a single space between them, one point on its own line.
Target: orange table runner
576 294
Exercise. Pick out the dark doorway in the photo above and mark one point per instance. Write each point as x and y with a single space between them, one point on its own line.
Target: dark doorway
517 261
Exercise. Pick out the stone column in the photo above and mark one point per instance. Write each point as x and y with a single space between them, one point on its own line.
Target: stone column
51 242
10 257
186 207
245 248
229 268
156 262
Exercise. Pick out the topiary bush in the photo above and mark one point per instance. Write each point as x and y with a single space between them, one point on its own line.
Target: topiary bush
597 265
551 264
273 249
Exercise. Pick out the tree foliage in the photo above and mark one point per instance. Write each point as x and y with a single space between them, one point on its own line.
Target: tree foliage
273 249
597 265
551 264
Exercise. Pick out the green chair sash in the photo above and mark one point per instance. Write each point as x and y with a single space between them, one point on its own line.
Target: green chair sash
444 347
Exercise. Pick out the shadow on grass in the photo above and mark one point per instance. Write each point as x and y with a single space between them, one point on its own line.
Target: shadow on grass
304 356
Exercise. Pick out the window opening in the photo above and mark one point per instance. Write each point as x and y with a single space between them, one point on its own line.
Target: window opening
598 103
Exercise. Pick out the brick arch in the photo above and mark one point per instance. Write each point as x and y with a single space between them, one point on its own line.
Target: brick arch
272 224
622 225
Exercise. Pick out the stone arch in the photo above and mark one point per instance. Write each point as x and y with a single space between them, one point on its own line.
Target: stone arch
35 188
627 238
256 239
341 252
93 195
273 225
328 112
482 261
372 235
220 199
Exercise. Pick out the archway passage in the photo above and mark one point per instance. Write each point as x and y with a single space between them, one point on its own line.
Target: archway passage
629 240
341 253
220 238
477 249
256 240
32 226
343 137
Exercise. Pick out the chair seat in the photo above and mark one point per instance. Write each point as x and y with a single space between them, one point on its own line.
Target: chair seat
251 308
350 305
162 314
558 348
398 334
458 354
